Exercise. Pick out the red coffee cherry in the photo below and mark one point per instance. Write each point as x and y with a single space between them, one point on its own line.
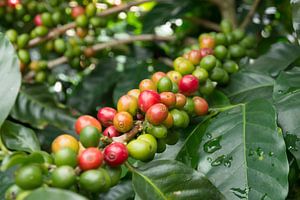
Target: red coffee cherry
188 84
148 98
111 131
90 158
157 76
77 11
201 106
157 113
38 20
194 56
169 121
13 3
115 154
206 51
206 41
106 116
86 120
134 92
168 98
180 100
123 121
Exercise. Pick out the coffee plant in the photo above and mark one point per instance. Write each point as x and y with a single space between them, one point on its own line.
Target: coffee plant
149 99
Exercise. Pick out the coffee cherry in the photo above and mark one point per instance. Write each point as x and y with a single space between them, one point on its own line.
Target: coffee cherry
46 19
134 92
65 156
220 52
86 120
89 136
174 87
230 67
148 98
106 116
157 113
180 100
95 180
181 118
59 46
12 35
81 32
237 51
77 11
205 52
238 34
201 74
161 145
201 106
13 3
41 31
221 39
164 84
174 76
217 74
168 98
206 41
188 84
97 22
183 66
24 56
128 103
140 150
111 132
226 26
114 174
29 177
208 62
82 21
248 42
151 140
90 158
172 137
147 84
90 9
123 121
12 192
230 39
208 87
159 131
225 79
157 76
189 106
194 56
115 154
168 121
57 17
23 40
64 141
63 177
38 20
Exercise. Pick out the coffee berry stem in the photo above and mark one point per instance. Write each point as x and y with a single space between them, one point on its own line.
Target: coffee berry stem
131 134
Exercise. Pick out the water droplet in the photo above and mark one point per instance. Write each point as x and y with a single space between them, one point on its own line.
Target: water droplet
264 196
260 153
271 153
212 145
272 164
280 91
251 152
209 135
218 161
209 159
240 193
227 161
291 141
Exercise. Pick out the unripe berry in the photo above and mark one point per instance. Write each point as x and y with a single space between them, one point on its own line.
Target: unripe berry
134 92
201 106
128 103
123 121
106 116
157 76
147 84
194 56
174 76
180 100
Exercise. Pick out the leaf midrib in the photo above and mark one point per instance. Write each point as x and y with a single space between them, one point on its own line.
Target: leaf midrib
249 89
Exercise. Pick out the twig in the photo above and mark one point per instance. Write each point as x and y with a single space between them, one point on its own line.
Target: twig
205 23
227 9
62 29
131 134
116 42
166 61
250 14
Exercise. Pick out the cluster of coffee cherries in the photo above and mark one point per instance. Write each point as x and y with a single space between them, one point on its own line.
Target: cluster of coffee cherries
39 18
217 56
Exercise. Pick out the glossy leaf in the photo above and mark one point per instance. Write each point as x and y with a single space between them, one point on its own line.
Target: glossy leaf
122 191
218 99
278 58
18 137
91 91
168 179
245 86
38 107
243 153
51 193
6 180
10 77
296 16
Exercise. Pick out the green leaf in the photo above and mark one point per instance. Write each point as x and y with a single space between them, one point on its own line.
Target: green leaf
122 191
51 193
243 154
37 106
278 58
18 137
6 180
10 77
245 86
218 99
286 83
92 90
296 16
169 179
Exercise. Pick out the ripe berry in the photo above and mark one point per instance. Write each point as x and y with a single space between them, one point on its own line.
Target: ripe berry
134 92
201 106
86 120
168 98
206 51
90 158
76 11
106 116
194 56
188 84
168 121
147 84
180 100
115 154
148 98
157 76
128 103
110 132
206 41
38 20
123 121
157 113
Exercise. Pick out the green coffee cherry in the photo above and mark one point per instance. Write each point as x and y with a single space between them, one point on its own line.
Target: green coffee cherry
12 35
217 74
47 19
208 87
220 52
201 74
24 56
230 66
82 21
23 40
59 46
208 62
226 26
90 10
